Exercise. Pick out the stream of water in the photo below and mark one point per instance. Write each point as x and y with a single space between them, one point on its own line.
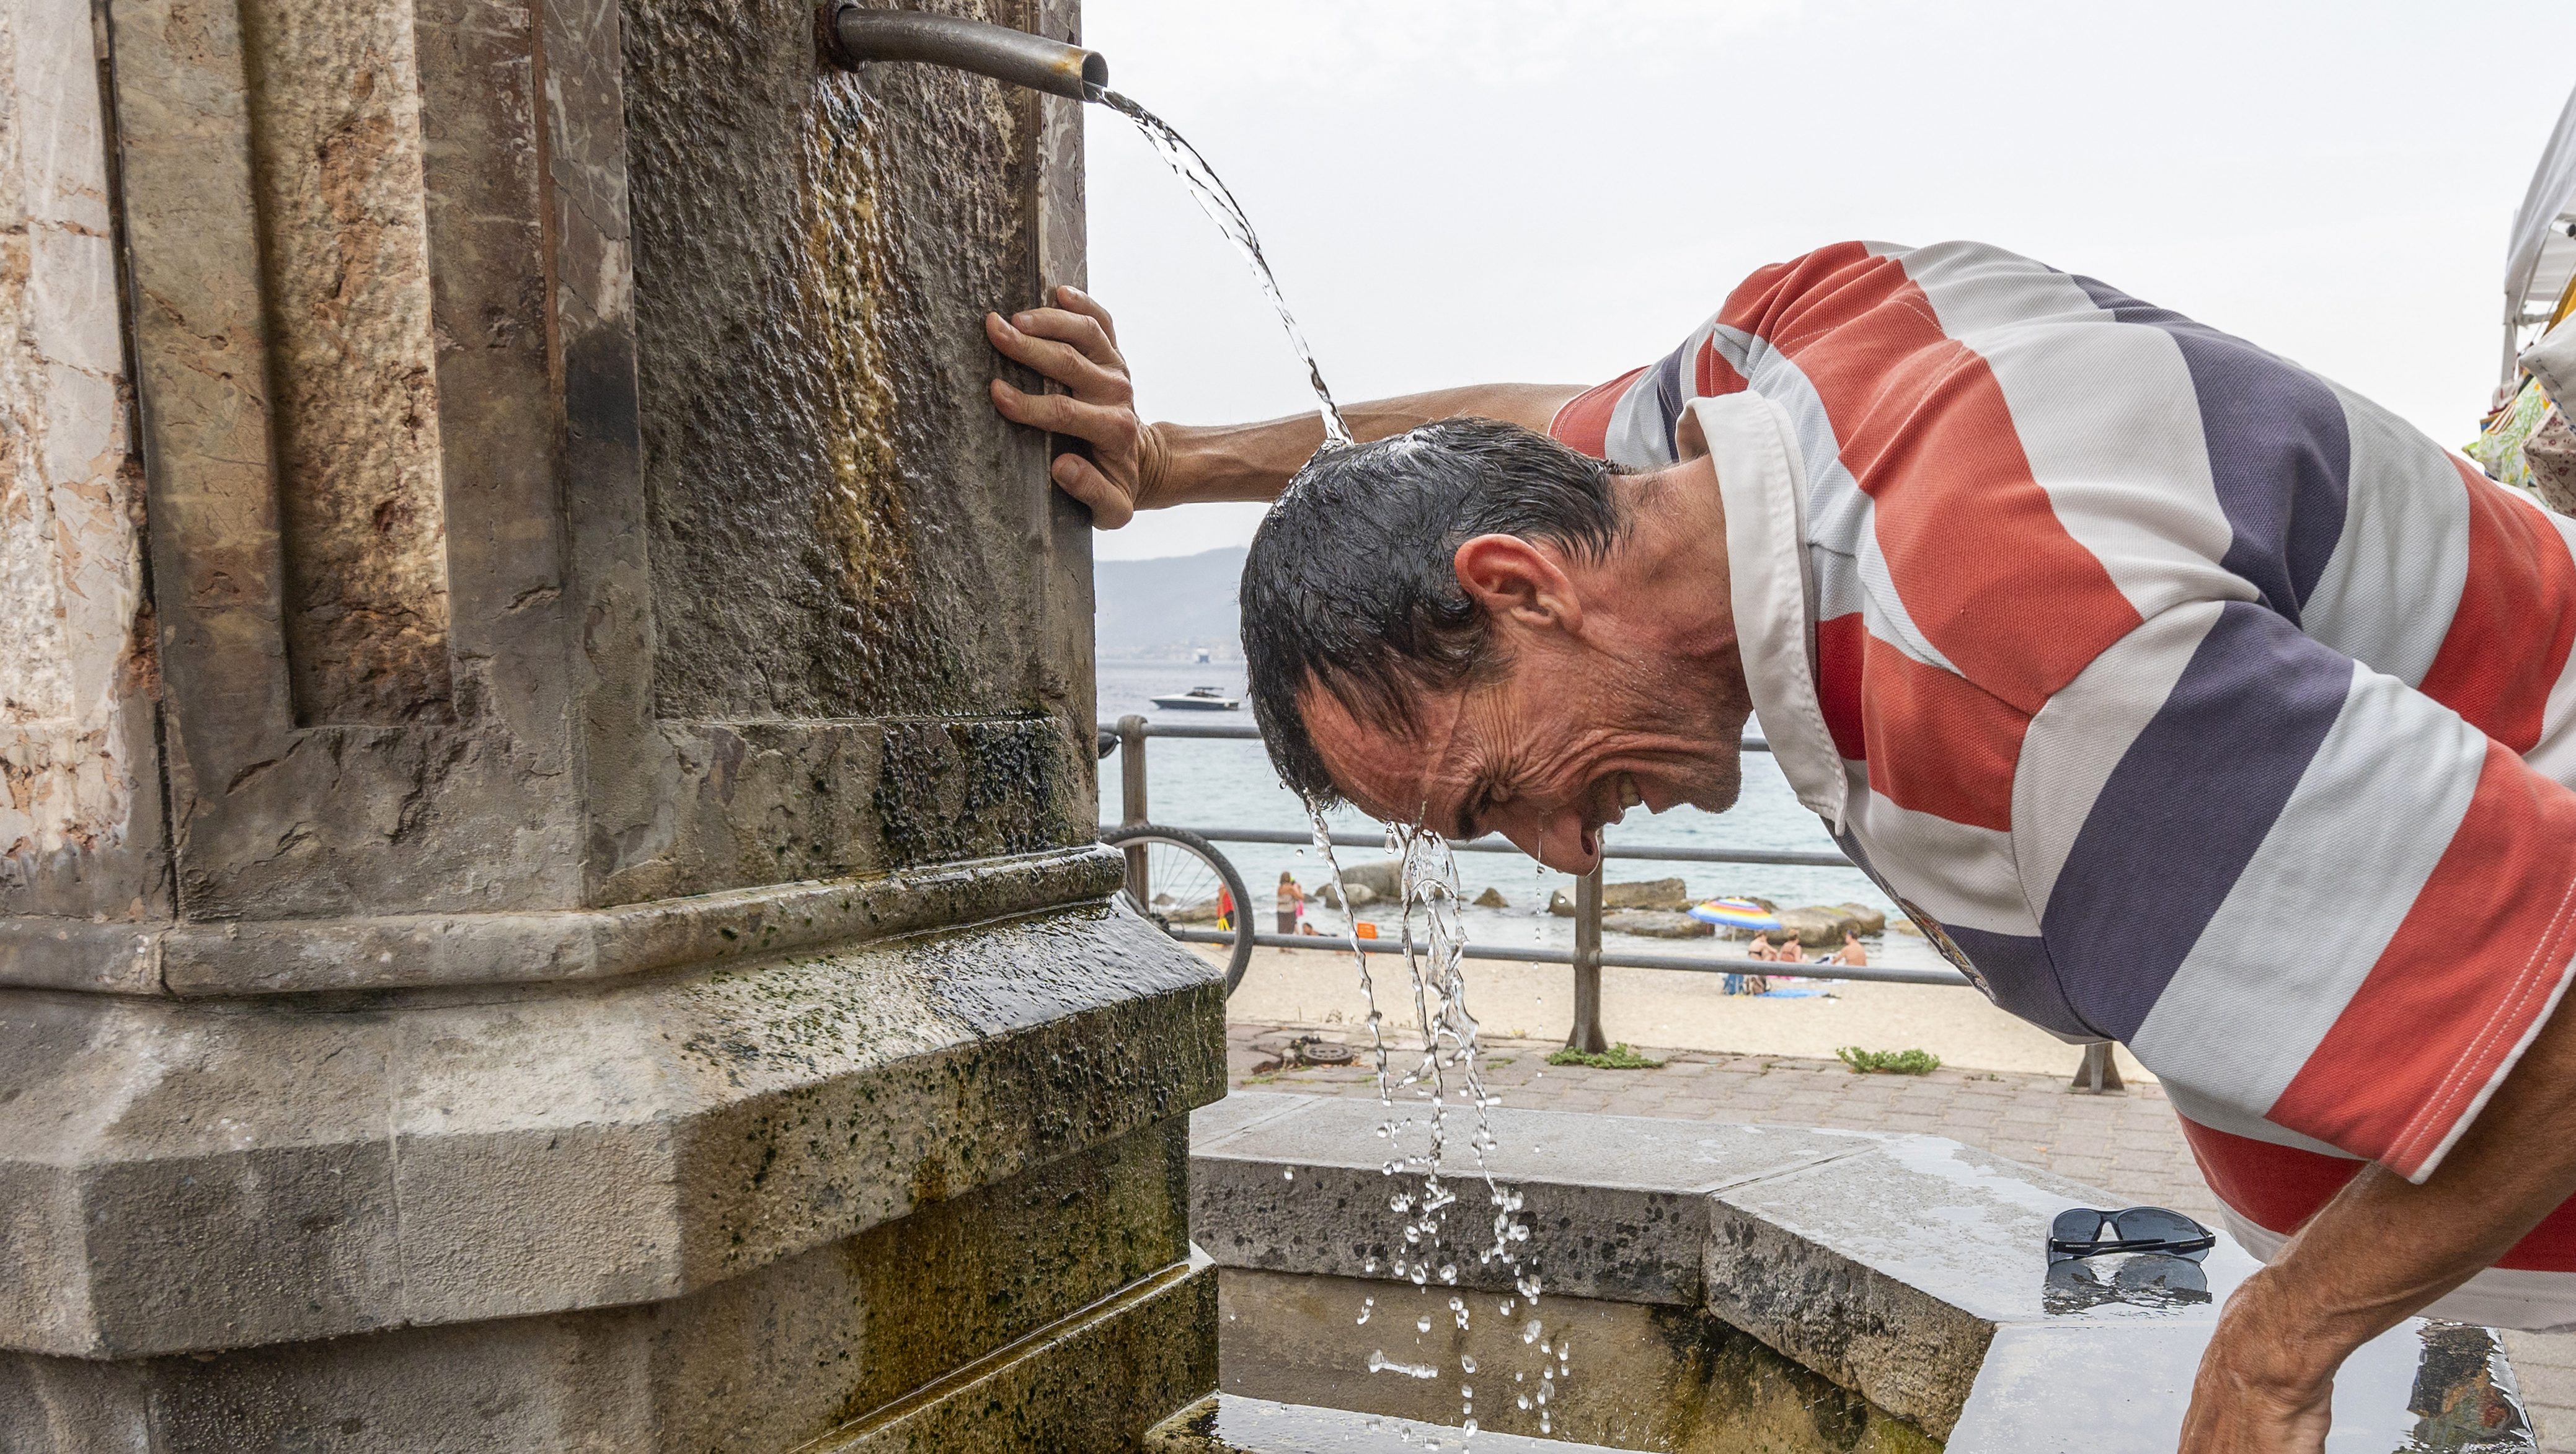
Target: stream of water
1209 191
1425 1251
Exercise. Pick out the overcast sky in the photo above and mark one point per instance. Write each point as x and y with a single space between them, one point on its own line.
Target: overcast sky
1458 191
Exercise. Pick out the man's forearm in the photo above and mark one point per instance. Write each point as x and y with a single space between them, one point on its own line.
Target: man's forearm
2384 1248
1200 463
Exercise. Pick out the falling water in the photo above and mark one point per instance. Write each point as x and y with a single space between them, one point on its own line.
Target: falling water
1221 208
1448 1069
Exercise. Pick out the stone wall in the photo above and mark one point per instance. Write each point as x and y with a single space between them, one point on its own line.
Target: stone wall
338 150
74 642
626 965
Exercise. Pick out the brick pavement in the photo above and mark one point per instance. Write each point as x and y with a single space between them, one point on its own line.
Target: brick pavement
2125 1143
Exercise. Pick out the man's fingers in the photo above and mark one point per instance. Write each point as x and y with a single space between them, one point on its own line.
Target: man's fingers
1081 330
1083 480
1075 300
1060 362
1105 426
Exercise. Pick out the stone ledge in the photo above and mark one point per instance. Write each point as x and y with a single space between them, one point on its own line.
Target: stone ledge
1073 1261
1618 1203
1906 1268
2121 1389
302 956
1098 1380
180 1178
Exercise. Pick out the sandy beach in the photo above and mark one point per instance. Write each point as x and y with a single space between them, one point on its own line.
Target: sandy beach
1669 1010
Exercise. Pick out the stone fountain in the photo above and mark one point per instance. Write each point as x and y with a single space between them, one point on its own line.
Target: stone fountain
547 885
548 895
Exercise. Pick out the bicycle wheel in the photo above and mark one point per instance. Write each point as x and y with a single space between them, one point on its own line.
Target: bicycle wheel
1188 886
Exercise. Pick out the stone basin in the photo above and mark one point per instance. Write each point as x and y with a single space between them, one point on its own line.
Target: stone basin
1734 1287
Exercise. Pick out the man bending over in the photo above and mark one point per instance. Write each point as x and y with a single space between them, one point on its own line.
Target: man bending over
2111 646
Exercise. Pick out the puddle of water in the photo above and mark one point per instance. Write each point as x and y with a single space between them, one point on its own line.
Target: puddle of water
1210 192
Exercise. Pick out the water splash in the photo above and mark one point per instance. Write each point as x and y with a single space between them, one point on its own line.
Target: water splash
1378 1362
1449 1071
1218 203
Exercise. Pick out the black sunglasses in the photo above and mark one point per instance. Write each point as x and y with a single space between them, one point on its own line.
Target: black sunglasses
2081 1232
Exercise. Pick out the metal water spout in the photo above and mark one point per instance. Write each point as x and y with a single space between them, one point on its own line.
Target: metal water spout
858 33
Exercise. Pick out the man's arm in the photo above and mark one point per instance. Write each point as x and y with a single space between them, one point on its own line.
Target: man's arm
2383 1249
1139 466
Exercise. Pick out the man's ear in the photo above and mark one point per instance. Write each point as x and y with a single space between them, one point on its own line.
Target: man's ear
1689 440
1515 580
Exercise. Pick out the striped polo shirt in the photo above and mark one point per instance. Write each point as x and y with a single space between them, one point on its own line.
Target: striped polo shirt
2183 697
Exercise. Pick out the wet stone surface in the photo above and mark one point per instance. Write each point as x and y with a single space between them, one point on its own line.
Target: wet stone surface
840 525
1637 1377
1907 1269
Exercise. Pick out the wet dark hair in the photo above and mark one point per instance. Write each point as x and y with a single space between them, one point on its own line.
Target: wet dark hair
1350 583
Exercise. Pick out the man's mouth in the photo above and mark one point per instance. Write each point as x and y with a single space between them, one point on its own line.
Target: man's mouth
1620 795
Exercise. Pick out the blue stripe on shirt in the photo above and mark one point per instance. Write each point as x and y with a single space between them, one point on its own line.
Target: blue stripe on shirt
2186 808
2280 452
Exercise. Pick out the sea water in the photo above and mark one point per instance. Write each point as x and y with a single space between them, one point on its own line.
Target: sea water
1220 784
1210 192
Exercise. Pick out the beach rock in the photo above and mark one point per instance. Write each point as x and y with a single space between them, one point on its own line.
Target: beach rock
1818 926
1362 895
1870 920
1906 926
1492 898
1383 877
1656 924
1653 893
1561 904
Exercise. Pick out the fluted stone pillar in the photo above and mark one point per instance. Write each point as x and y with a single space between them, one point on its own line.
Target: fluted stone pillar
547 894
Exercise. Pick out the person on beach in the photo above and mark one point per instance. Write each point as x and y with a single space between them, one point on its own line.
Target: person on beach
1292 903
1852 954
2181 696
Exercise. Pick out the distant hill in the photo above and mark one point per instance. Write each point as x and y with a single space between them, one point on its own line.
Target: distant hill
1168 606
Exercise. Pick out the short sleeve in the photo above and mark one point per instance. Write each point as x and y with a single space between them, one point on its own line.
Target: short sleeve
1630 420
1583 423
2316 902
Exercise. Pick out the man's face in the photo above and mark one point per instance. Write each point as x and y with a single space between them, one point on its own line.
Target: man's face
1563 742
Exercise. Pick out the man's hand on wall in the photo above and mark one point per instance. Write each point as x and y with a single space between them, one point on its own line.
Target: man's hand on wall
1076 345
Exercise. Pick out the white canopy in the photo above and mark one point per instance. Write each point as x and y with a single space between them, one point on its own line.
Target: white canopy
2543 254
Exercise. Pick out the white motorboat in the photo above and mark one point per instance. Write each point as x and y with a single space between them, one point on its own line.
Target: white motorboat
1199 699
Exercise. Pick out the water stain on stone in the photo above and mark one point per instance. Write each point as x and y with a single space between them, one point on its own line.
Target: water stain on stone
845 265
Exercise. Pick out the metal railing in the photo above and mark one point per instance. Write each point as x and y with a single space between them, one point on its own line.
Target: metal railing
1587 958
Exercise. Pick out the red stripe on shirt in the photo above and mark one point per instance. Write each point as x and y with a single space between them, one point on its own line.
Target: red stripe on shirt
1841 644
1945 747
2278 1188
2469 969
1711 374
2516 618
1922 424
1583 422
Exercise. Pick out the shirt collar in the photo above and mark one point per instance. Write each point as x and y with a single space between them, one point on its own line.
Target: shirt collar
1763 487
